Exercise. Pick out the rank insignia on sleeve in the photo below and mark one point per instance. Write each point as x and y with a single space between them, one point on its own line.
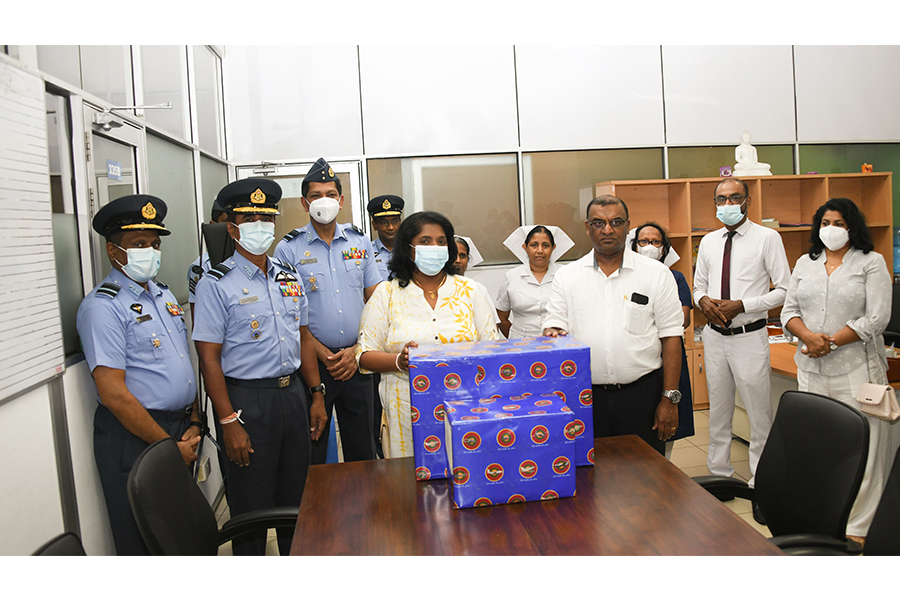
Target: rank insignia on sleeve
137 308
174 309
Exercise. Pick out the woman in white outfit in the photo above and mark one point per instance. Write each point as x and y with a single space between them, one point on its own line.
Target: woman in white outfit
526 288
838 304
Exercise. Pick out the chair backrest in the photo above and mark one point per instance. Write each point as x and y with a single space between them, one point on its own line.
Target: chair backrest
65 544
172 514
812 465
883 537
218 243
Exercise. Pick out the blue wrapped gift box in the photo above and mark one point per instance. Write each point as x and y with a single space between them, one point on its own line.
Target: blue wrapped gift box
505 450
542 366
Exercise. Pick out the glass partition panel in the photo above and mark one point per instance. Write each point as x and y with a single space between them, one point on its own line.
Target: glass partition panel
213 177
479 194
209 100
106 72
559 185
60 61
164 75
171 177
688 163
849 158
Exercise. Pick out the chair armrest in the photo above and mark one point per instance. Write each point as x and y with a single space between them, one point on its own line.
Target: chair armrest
258 520
809 543
725 488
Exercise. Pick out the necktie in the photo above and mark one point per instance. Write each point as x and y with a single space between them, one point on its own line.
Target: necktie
726 268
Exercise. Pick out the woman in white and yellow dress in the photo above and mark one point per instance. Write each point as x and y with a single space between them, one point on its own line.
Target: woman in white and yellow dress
424 304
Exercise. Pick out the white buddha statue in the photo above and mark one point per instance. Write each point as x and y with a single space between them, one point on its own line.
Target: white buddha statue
747 160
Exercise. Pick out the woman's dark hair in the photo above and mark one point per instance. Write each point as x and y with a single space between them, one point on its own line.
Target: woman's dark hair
463 242
666 244
856 225
402 264
539 229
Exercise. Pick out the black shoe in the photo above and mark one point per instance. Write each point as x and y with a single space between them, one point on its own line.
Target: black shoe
757 514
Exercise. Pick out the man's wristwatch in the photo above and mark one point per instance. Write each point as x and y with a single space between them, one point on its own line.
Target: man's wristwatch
673 395
318 388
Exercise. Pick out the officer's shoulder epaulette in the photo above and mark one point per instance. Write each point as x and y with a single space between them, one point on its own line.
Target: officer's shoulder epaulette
108 289
285 264
291 235
162 285
219 271
356 229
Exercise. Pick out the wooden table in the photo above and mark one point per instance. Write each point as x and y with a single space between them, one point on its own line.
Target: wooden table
632 502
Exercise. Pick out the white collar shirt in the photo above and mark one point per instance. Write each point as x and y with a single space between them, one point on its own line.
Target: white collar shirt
621 317
757 257
526 299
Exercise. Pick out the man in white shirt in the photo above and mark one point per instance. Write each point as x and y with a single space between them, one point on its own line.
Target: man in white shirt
735 339
625 307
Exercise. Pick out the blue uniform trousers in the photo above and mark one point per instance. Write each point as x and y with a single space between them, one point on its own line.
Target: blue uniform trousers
354 399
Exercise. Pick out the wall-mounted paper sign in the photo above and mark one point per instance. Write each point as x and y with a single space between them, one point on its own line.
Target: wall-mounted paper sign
113 170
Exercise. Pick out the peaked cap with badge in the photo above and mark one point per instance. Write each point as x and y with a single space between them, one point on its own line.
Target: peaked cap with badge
385 206
320 172
131 213
252 196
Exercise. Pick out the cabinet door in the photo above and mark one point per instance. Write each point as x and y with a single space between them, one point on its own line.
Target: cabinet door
698 380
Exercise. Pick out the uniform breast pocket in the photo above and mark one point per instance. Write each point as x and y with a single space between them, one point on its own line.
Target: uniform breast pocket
314 282
354 272
637 317
292 311
247 324
148 342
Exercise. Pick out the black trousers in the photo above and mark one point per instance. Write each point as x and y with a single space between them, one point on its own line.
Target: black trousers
630 410
115 450
354 400
276 421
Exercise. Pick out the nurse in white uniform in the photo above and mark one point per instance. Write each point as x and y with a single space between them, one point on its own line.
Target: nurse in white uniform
522 299
469 256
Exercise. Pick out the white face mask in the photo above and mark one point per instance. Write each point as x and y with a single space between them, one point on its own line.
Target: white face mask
256 236
834 237
650 252
324 210
143 263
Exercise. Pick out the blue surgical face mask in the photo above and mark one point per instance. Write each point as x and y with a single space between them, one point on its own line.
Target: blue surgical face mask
257 236
143 263
431 259
730 214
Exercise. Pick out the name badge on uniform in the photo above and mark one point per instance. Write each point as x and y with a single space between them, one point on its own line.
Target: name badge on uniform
308 261
174 309
290 288
143 318
249 300
355 253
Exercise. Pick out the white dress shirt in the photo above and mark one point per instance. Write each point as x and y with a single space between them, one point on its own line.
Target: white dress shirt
526 299
624 336
757 256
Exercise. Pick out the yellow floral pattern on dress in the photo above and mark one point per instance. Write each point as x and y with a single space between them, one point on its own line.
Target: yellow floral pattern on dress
394 316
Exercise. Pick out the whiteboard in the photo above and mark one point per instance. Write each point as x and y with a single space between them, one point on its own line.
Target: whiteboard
438 99
589 96
713 93
847 93
31 346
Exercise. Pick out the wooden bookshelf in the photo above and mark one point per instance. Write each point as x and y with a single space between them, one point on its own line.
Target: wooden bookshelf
685 209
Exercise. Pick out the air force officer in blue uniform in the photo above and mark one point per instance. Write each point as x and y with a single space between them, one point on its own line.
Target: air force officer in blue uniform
251 336
337 265
135 343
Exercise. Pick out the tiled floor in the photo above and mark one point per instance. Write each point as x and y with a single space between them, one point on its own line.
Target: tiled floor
688 454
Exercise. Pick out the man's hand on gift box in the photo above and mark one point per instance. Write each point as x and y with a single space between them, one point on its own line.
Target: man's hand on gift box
555 332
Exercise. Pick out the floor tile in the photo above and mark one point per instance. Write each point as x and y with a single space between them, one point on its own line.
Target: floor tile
683 443
701 419
700 437
739 451
740 506
225 549
695 471
688 457
742 469
760 528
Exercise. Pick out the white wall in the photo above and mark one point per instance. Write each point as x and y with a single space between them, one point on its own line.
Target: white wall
30 505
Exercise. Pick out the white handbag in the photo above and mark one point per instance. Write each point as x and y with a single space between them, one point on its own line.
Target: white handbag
877 398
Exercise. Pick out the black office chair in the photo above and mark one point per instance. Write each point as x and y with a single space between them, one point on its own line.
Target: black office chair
173 515
808 474
883 537
65 544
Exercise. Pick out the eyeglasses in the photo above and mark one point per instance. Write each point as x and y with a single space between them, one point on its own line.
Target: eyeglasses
601 224
656 243
732 199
